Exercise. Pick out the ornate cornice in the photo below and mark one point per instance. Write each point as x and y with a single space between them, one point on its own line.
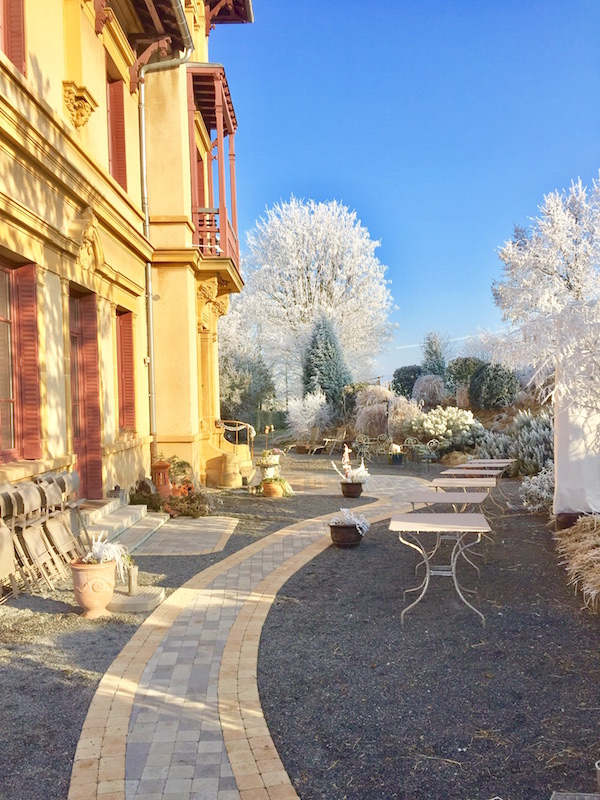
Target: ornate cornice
79 103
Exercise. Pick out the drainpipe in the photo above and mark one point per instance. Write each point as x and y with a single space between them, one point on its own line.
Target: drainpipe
155 66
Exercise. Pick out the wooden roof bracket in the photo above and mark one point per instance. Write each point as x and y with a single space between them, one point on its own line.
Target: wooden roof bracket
102 15
211 13
161 45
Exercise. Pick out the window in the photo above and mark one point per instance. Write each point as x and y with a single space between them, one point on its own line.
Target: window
19 377
126 373
115 105
12 32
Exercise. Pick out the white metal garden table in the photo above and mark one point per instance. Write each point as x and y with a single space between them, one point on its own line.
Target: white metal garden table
465 530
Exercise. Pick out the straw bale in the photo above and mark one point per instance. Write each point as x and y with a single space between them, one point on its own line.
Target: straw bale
579 549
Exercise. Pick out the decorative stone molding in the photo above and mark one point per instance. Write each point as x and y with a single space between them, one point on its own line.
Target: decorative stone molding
207 290
85 229
221 306
79 104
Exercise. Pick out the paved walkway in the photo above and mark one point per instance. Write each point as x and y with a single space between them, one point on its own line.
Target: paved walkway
178 716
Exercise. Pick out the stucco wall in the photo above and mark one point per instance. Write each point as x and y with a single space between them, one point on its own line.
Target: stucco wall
55 353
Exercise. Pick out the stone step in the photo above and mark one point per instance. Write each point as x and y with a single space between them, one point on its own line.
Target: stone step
92 511
112 525
137 533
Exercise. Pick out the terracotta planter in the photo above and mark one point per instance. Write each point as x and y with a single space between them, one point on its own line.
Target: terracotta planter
345 535
272 489
94 585
351 489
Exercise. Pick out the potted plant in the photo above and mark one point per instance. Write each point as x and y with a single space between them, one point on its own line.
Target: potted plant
94 576
268 463
395 454
347 529
352 478
275 487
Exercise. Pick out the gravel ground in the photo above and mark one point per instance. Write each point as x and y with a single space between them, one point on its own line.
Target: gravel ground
415 697
51 660
360 707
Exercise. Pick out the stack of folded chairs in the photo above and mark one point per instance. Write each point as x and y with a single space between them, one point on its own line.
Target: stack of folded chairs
41 531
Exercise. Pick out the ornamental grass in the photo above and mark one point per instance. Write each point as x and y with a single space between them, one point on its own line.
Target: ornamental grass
579 549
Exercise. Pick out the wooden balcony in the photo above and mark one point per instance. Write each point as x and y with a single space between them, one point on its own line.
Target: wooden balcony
214 239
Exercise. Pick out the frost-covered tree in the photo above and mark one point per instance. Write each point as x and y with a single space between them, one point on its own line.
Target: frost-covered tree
308 414
246 382
246 386
436 348
549 291
323 365
309 259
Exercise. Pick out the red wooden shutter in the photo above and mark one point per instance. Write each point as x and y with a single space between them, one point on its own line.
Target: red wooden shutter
126 374
28 366
91 372
116 133
14 32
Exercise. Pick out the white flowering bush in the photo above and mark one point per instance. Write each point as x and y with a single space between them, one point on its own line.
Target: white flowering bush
308 413
537 491
454 428
529 440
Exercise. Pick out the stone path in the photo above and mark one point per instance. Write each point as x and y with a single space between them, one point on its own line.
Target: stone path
177 716
188 537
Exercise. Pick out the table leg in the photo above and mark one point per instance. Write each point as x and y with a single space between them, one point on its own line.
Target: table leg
461 545
416 545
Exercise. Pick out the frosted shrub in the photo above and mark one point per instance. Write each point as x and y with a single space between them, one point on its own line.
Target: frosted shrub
537 491
454 428
494 445
529 440
372 410
533 444
403 413
372 395
372 420
308 413
429 390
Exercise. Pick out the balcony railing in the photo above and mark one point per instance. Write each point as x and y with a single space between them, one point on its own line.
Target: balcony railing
212 239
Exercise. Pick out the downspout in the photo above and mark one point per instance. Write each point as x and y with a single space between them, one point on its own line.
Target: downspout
156 66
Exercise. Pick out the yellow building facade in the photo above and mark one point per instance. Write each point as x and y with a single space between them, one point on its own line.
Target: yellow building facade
118 238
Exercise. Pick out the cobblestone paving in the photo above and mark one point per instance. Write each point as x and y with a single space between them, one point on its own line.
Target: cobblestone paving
178 713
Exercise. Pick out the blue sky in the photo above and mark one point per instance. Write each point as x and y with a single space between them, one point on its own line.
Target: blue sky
442 124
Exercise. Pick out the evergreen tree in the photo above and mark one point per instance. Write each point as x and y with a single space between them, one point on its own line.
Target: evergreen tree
435 350
404 379
323 365
459 371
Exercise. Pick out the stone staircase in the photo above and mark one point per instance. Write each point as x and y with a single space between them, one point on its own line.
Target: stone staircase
114 520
